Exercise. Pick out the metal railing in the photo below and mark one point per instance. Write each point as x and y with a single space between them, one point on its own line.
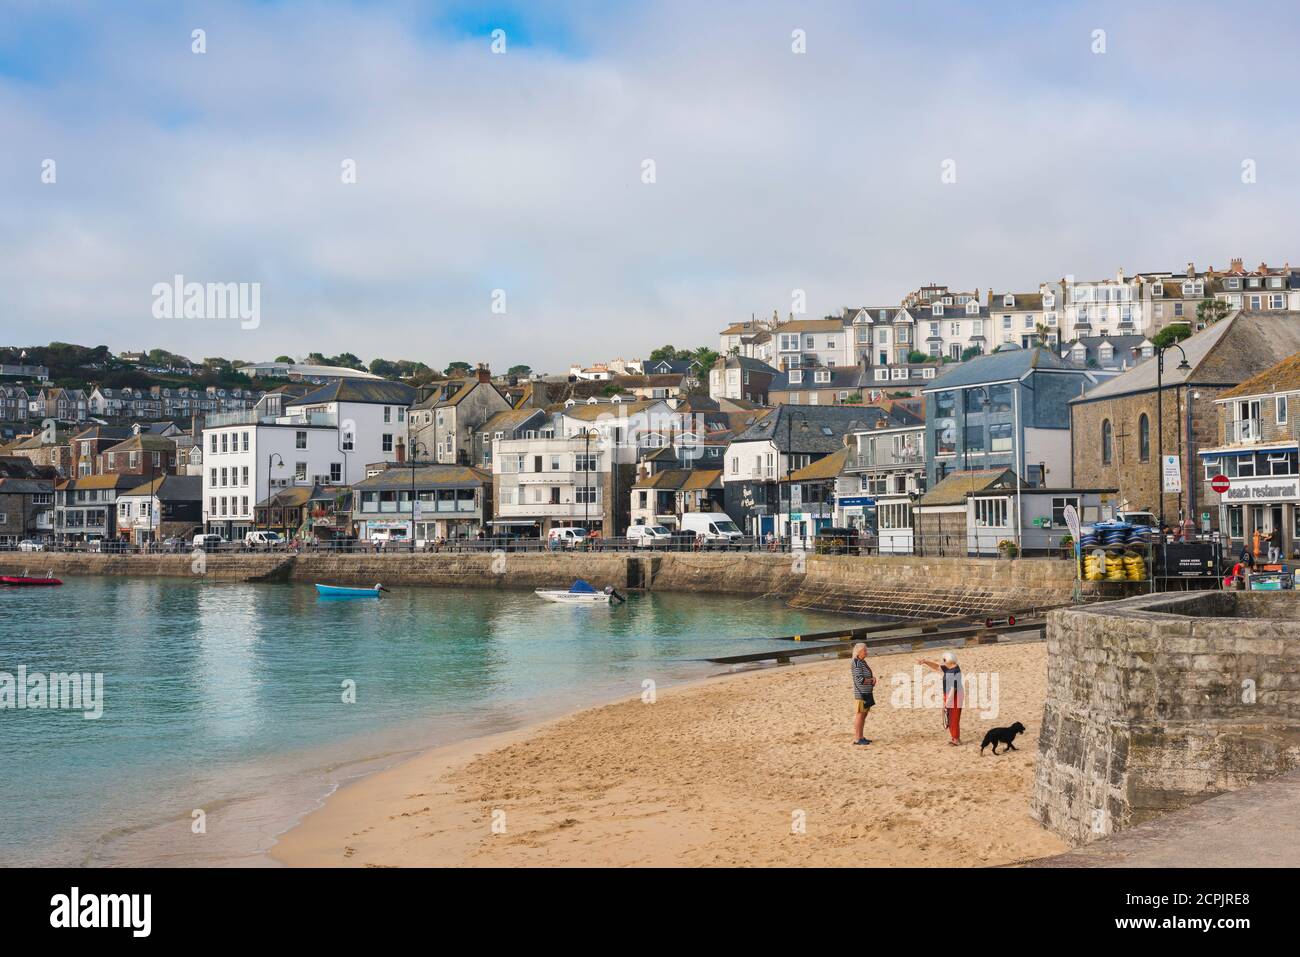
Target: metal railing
878 459
1245 430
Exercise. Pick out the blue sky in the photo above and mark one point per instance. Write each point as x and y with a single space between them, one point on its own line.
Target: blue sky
522 171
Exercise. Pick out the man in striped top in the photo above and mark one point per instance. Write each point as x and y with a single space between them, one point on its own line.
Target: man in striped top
864 684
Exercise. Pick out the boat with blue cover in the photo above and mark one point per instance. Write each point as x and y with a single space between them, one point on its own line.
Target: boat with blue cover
579 593
343 591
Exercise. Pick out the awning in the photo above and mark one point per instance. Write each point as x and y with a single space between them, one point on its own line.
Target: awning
514 521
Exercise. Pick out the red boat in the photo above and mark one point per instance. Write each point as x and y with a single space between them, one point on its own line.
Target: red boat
25 580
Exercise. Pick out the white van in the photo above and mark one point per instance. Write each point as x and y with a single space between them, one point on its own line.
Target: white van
647 536
565 537
713 526
268 539
386 535
207 541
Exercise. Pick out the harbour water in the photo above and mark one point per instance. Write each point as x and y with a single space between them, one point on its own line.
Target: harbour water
230 710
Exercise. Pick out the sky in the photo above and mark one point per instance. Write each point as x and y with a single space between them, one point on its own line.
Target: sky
501 209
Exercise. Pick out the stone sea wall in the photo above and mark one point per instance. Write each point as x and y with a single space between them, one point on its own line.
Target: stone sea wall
901 586
1159 702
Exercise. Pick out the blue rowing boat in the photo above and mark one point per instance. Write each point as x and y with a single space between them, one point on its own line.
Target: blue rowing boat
340 591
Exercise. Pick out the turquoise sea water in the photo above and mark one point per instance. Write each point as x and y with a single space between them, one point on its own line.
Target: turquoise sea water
229 698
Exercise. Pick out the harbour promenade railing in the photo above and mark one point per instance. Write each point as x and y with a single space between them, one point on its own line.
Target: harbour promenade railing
942 546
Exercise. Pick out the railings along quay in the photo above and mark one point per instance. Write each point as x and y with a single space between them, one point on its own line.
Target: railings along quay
916 636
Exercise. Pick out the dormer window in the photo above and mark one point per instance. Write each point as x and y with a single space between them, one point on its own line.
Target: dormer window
1049 300
822 375
1233 283
936 310
1157 291
796 376
972 308
884 315
1009 301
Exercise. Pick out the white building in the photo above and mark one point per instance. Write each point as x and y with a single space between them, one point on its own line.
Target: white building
325 437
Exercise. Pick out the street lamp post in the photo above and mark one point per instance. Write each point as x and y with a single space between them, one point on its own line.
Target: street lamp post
411 447
269 467
789 470
1183 366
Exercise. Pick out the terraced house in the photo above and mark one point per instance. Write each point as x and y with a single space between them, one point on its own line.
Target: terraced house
444 419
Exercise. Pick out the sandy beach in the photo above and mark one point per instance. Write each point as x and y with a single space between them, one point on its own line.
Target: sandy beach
755 768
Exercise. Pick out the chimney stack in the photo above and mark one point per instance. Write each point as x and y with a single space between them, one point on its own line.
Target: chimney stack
1235 265
482 373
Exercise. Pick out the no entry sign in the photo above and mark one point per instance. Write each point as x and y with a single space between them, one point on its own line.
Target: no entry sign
1220 483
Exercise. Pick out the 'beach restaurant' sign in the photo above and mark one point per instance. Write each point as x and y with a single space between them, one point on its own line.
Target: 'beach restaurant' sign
1262 490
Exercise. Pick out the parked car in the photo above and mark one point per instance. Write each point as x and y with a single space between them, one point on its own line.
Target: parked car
27 545
648 536
566 537
833 540
174 544
714 527
208 542
263 539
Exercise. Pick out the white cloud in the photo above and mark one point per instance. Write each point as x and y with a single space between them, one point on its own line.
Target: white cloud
521 172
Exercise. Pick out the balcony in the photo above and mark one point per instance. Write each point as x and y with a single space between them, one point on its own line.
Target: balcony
252 417
884 459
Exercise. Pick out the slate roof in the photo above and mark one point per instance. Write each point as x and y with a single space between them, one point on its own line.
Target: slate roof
172 488
1227 353
1001 366
1127 348
1283 377
510 419
826 427
374 391
143 443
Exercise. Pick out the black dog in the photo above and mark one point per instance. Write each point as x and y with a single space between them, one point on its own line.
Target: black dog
1005 736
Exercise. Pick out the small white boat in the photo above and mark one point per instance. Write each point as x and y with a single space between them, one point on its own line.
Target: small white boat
579 593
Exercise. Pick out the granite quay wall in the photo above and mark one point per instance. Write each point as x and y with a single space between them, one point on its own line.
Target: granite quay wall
900 586
1159 702
909 586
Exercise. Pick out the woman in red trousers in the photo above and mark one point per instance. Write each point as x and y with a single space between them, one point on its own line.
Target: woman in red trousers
953 693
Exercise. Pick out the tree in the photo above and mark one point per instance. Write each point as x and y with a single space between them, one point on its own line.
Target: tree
458 368
1171 334
705 356
1041 332
519 370
671 353
315 359
970 353
382 367
1209 311
915 356
288 359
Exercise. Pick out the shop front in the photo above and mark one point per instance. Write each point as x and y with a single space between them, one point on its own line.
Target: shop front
1253 509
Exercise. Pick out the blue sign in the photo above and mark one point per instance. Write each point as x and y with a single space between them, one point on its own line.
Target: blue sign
850 501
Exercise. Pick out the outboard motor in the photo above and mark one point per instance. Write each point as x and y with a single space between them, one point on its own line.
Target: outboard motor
610 590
